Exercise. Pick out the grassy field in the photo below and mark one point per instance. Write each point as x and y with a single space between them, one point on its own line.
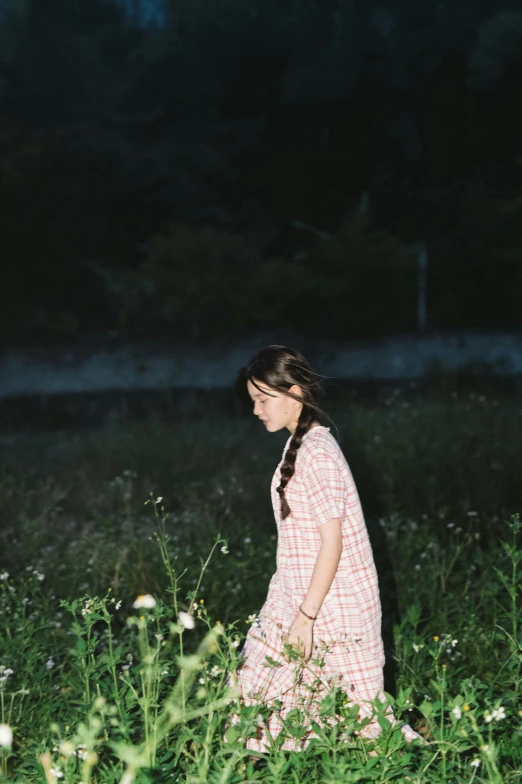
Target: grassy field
176 506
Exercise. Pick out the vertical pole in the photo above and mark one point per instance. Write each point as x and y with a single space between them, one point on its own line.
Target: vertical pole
422 267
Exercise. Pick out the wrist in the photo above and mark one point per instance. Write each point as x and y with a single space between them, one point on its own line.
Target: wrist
309 605
310 617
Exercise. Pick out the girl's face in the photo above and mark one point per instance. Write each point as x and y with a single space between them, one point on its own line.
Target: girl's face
275 409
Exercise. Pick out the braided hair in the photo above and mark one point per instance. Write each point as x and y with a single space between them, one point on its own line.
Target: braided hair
280 367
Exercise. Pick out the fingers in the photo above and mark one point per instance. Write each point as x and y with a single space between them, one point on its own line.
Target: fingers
304 651
300 645
296 645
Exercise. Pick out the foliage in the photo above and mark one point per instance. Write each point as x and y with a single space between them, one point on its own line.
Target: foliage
362 276
111 131
480 251
205 281
497 48
98 690
202 281
163 706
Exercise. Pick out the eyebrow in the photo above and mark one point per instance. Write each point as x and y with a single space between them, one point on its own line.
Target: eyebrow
257 394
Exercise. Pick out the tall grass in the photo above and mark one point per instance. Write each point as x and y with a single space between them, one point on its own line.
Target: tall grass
133 560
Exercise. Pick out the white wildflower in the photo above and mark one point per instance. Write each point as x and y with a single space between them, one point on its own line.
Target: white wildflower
236 643
87 608
457 712
144 600
6 735
475 763
49 663
224 549
130 662
159 499
117 605
497 714
186 620
57 773
66 749
454 642
251 618
4 575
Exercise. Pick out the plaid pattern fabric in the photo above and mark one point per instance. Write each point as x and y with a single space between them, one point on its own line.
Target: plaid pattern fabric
347 632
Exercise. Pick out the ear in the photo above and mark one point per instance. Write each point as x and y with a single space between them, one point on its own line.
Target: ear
295 389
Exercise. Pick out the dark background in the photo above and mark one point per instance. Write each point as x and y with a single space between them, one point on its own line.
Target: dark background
180 168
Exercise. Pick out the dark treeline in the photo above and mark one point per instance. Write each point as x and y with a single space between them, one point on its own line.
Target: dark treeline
247 163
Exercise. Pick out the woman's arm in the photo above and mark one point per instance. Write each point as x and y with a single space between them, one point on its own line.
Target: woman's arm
325 566
301 630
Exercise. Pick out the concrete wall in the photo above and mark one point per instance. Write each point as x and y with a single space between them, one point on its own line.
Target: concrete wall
88 368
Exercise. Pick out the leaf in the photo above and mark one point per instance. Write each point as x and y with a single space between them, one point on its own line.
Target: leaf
426 708
232 734
384 723
413 614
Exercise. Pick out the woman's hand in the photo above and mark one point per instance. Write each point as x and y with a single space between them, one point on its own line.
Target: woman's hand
300 635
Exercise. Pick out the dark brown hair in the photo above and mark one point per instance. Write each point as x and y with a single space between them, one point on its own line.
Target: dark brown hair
279 368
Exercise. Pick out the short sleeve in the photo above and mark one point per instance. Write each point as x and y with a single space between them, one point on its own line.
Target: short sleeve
325 486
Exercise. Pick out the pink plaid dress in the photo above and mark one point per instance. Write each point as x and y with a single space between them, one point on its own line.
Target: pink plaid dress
347 632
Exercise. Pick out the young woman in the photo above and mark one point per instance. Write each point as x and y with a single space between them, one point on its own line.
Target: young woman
324 597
